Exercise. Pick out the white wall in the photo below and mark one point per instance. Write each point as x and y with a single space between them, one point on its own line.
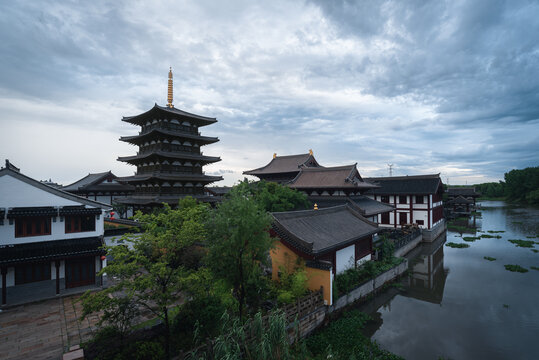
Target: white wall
345 258
16 193
364 259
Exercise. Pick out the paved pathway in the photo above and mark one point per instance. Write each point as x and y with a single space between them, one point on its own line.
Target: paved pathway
43 330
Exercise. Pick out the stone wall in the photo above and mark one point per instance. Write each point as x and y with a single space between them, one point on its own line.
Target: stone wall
369 286
431 234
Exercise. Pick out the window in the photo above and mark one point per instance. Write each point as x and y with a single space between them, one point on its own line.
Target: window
419 199
420 222
79 223
402 200
385 199
32 226
385 218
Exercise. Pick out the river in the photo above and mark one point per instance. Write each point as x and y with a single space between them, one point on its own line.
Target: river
457 305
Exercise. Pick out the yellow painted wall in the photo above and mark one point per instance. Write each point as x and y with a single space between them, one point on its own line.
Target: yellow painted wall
283 256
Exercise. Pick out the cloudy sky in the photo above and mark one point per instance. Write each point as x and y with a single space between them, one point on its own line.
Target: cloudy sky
448 87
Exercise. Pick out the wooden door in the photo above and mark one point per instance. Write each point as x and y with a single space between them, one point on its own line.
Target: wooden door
80 272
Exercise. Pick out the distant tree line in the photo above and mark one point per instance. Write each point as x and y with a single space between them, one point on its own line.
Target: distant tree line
518 185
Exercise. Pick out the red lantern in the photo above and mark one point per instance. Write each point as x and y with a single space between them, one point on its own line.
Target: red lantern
103 257
112 215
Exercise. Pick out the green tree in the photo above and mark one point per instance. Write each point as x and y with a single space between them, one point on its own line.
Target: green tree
239 244
274 197
153 267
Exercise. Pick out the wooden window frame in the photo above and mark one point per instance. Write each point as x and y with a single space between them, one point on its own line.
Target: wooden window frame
419 199
32 226
403 199
77 224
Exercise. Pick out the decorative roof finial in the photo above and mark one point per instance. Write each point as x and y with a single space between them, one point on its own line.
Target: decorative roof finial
274 155
169 98
310 151
315 206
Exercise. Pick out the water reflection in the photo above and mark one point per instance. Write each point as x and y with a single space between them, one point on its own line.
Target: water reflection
459 305
427 274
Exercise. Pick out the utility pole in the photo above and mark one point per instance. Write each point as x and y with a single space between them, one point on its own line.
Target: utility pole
390 169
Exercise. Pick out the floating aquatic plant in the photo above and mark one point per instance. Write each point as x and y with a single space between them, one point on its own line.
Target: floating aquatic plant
471 238
489 258
534 268
522 243
495 231
516 268
457 245
487 236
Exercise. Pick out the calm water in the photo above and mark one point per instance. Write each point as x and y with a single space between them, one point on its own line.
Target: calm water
458 305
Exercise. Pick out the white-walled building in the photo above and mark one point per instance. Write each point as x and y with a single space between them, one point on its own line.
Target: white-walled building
416 200
49 239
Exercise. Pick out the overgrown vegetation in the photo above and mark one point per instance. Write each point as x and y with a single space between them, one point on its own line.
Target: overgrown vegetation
534 268
516 268
357 275
471 238
457 245
343 339
489 258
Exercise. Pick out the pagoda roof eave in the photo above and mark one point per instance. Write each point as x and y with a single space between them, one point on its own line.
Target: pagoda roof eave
176 134
138 119
180 177
201 158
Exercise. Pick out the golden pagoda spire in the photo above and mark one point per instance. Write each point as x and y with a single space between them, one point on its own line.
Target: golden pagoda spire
169 98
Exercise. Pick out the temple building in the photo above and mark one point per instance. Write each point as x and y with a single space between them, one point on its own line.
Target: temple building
104 187
169 161
328 241
462 196
416 200
324 186
282 169
50 240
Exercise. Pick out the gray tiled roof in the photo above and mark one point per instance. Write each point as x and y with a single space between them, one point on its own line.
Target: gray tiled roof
416 184
51 250
365 205
96 182
88 179
58 192
460 200
319 231
330 177
464 191
164 111
285 164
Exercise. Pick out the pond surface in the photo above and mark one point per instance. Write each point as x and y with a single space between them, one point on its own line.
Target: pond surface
457 305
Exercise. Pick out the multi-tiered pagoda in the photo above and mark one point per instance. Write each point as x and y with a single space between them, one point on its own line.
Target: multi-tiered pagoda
169 161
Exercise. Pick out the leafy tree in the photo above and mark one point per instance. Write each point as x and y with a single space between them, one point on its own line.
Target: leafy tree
239 244
274 197
157 264
118 311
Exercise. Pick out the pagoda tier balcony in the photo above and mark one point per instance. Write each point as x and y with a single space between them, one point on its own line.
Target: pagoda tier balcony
160 134
169 169
169 191
169 148
170 127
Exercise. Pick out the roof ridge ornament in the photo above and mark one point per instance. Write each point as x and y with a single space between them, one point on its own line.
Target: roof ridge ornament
310 151
169 97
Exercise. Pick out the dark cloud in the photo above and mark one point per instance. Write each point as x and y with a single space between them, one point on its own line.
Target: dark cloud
440 86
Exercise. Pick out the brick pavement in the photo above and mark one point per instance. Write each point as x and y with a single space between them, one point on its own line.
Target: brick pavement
43 330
